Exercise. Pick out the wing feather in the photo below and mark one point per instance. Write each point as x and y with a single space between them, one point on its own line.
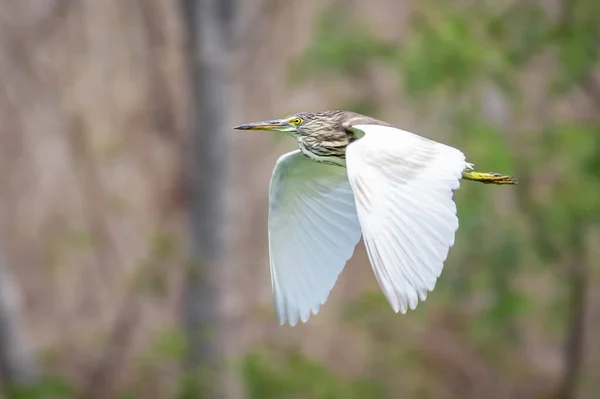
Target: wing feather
313 230
403 186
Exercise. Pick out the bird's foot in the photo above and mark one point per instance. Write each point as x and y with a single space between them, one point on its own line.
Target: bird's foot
489 178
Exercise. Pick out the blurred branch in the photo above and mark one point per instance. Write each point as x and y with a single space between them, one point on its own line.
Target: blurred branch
250 34
106 253
575 337
247 36
46 22
17 366
100 379
467 373
162 116
577 269
592 89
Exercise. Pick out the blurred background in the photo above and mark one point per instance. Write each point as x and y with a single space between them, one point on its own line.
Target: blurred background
133 252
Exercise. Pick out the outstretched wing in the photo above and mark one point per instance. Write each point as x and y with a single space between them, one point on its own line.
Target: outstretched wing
313 230
403 184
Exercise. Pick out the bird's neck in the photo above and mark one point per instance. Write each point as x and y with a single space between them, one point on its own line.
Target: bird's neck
323 151
328 159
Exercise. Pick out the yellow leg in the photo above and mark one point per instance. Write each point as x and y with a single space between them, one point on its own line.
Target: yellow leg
489 178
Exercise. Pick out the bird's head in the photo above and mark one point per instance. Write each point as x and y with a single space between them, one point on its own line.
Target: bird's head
299 124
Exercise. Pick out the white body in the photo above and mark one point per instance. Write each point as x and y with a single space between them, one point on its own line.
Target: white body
395 190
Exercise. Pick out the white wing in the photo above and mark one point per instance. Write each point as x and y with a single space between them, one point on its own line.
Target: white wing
313 230
403 184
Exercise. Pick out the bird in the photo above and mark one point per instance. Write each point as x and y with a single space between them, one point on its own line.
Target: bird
351 176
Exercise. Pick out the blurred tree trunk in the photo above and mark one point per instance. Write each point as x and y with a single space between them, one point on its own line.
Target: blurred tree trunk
17 365
208 26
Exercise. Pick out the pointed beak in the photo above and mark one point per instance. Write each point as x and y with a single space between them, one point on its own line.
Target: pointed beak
264 125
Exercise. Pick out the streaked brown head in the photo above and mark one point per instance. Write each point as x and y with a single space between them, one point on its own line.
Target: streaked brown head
319 134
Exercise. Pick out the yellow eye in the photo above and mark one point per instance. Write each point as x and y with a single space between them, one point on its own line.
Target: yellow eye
296 121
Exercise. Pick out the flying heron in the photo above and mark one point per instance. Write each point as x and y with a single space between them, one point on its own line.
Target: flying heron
355 175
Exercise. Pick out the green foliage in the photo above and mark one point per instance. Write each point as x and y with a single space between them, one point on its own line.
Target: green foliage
291 375
150 272
576 39
170 344
452 51
44 388
163 246
519 32
342 45
483 140
445 54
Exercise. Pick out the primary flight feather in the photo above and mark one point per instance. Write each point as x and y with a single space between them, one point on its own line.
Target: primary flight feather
355 175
